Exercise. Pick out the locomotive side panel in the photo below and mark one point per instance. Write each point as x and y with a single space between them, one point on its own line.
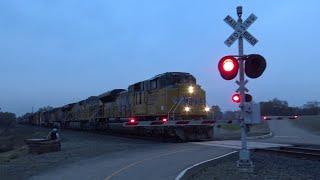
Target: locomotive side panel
123 104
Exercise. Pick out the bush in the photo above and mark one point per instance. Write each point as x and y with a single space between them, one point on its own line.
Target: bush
7 118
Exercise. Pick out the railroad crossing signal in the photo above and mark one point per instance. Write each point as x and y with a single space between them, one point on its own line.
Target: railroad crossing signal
252 66
240 30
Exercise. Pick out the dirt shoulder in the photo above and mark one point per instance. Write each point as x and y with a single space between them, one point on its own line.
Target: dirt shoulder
76 146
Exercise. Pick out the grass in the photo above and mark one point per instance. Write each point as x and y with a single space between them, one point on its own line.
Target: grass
230 127
310 123
12 143
263 127
13 154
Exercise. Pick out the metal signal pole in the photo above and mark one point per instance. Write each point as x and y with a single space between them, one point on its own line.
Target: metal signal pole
250 111
244 162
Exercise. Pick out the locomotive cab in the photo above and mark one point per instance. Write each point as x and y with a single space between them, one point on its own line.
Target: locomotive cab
173 95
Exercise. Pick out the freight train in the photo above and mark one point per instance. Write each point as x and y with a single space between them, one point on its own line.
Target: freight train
169 105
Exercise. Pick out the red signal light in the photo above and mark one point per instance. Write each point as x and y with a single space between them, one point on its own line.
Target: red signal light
228 67
132 122
164 120
236 98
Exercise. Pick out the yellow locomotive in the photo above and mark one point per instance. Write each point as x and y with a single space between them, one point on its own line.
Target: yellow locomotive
169 97
172 95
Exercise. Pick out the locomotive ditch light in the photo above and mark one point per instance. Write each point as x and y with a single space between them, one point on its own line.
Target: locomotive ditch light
187 109
255 65
228 67
190 89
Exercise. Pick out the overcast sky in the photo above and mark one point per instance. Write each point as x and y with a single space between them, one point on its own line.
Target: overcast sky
56 52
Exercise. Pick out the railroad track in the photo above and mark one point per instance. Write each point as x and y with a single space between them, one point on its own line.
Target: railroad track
295 151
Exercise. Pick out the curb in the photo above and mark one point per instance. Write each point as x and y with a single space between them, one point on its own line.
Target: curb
261 137
199 166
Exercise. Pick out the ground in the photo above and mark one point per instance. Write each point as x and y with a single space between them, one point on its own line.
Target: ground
267 166
12 140
79 147
83 150
309 123
76 146
302 131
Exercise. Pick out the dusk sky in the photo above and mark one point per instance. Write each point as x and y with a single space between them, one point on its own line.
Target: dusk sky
62 51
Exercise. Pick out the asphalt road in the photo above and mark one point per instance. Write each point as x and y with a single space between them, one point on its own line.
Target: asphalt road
166 160
159 161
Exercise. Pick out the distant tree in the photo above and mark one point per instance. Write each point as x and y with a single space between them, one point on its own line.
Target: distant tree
312 104
311 108
7 118
278 107
275 107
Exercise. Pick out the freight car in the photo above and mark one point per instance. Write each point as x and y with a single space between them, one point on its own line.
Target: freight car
168 105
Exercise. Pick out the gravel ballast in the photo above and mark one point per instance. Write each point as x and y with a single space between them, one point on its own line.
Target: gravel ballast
267 166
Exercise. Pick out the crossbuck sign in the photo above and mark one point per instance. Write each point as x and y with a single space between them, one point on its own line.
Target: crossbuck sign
240 29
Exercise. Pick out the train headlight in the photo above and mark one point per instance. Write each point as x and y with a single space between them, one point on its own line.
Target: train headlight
190 89
207 109
187 108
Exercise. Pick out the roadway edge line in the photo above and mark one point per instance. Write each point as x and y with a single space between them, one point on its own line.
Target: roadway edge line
184 172
260 137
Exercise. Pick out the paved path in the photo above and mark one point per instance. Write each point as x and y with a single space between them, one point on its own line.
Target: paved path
166 160
161 161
